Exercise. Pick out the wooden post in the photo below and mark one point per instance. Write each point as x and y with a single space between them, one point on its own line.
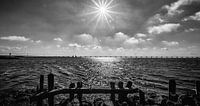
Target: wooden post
172 89
142 97
40 102
41 83
121 96
79 86
71 95
50 87
198 88
112 97
172 86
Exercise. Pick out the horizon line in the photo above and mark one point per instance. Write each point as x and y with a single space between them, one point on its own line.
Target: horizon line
103 56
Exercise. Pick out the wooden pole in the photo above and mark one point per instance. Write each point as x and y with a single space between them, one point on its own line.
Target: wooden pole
112 97
40 102
172 86
172 89
41 83
80 95
50 87
142 97
71 95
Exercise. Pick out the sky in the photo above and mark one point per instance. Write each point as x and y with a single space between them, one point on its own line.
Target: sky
100 27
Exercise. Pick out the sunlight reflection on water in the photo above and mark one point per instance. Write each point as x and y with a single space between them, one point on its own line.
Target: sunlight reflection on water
106 59
107 66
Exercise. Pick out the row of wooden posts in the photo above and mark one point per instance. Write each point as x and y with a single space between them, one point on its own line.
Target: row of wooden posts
42 94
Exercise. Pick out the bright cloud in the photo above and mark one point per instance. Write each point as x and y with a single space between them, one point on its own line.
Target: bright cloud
15 38
173 8
164 49
117 39
195 17
190 30
173 43
86 39
122 40
74 45
140 35
58 46
163 28
156 19
38 41
132 41
58 39
120 36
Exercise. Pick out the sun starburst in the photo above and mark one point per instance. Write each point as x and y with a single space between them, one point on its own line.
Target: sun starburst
102 11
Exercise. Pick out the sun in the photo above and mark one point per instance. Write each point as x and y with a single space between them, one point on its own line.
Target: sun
102 12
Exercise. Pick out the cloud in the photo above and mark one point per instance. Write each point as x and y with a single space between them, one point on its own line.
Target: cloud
132 42
58 39
117 40
86 39
173 43
74 45
156 19
140 35
195 17
15 38
38 41
120 36
164 49
58 46
123 40
163 28
190 30
97 47
174 8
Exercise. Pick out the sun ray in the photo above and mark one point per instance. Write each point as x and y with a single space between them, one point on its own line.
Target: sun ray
107 21
113 6
98 19
110 17
93 18
91 13
113 12
95 3
109 3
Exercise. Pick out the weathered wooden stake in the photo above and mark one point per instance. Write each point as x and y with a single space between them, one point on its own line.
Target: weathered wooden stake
80 95
198 88
172 89
172 86
50 87
71 95
112 97
41 82
142 97
40 102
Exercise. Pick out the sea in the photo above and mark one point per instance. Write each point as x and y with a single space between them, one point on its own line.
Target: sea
19 77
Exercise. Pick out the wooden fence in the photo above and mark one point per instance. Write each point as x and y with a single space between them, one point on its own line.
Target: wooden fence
51 92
